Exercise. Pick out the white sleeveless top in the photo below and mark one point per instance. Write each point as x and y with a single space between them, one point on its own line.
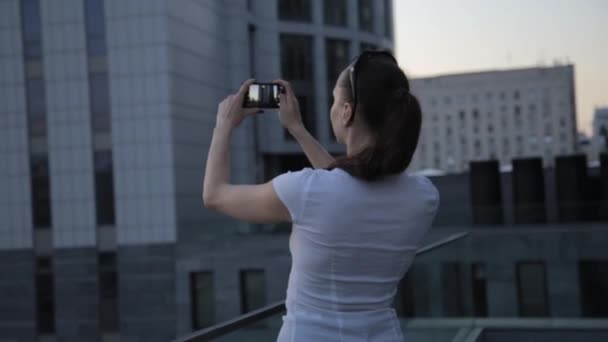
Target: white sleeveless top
351 243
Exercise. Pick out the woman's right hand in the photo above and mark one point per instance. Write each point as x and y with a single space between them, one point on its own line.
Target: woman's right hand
289 109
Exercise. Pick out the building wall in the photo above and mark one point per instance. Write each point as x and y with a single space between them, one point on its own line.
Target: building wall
461 110
15 203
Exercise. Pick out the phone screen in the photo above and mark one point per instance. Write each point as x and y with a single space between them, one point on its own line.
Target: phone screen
262 95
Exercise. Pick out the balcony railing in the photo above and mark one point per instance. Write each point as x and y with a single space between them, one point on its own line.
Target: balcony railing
252 317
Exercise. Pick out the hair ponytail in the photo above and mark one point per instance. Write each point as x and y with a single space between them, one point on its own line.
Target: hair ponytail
394 117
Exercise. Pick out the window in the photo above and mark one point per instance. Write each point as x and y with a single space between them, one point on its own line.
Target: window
516 95
478 281
404 299
45 296
296 66
296 57
276 164
337 57
253 290
108 293
532 289
451 289
251 32
95 27
99 101
34 92
366 15
36 107
475 114
41 190
104 187
31 29
202 299
295 10
388 18
334 12
308 118
593 283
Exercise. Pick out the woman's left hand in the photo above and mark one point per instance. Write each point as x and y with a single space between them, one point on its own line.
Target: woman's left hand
230 111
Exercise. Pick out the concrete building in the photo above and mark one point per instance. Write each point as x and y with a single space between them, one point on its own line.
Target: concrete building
600 130
502 115
106 113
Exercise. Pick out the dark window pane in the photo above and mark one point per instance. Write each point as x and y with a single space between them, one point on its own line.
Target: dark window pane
30 25
532 289
366 15
388 18
41 192
34 92
337 58
334 12
104 187
337 55
251 31
37 126
45 296
404 300
478 281
96 47
202 297
253 290
296 57
593 283
95 27
296 10
108 292
451 289
308 117
99 93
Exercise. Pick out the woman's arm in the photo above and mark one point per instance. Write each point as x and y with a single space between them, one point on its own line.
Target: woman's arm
256 203
289 115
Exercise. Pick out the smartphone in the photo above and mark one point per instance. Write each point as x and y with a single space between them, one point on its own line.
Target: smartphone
263 95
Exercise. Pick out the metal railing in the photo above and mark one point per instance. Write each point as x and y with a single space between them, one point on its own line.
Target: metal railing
254 316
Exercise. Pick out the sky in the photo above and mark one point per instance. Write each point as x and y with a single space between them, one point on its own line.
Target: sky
434 37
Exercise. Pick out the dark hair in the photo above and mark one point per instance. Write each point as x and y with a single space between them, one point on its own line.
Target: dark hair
393 115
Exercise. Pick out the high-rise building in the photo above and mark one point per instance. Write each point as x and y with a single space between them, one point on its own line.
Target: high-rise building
106 114
502 115
600 130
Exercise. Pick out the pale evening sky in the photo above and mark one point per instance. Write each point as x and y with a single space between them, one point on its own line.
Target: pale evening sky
434 37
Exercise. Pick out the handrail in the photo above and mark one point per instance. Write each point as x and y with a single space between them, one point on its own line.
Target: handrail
272 309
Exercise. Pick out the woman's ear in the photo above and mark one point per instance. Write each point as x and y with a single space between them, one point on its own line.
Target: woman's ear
347 114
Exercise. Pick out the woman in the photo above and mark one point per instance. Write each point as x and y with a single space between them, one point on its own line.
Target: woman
357 220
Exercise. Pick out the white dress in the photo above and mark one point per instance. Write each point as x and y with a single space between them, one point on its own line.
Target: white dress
351 243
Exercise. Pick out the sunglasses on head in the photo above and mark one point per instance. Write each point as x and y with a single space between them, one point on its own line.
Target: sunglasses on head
358 63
